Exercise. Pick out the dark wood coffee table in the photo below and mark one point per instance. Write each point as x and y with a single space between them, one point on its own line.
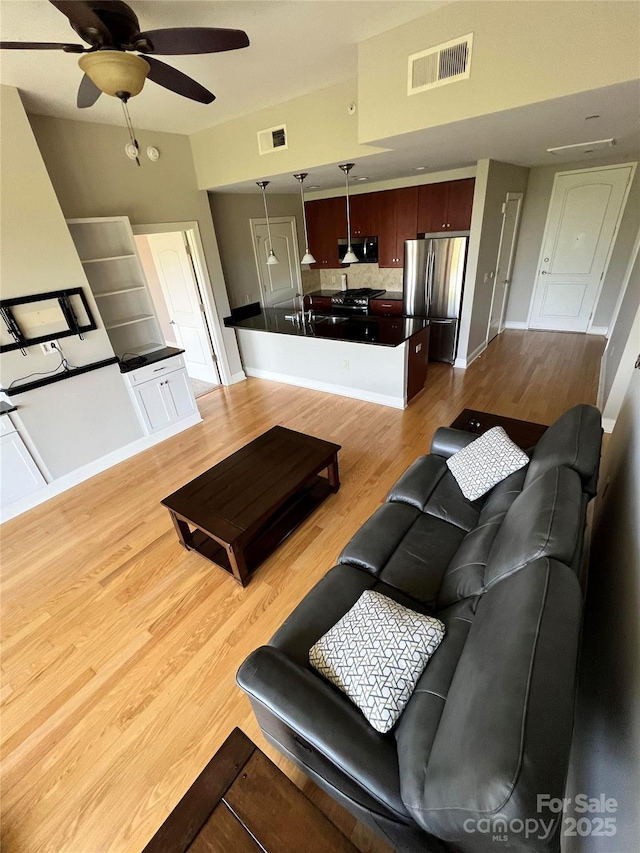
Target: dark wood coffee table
523 433
244 507
242 803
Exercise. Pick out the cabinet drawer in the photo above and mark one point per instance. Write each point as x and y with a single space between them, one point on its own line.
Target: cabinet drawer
386 307
152 371
323 302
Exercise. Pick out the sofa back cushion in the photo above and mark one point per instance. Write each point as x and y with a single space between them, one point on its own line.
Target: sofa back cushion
574 441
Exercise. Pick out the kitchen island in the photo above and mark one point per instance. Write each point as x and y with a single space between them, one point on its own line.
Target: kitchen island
379 359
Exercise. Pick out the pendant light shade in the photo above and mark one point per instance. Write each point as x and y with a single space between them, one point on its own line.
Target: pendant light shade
308 257
271 258
350 255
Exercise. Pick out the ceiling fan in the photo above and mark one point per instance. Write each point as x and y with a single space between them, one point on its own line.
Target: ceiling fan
112 30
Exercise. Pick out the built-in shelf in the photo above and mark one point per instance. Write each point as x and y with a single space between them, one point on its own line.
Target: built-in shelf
119 291
58 377
129 321
111 258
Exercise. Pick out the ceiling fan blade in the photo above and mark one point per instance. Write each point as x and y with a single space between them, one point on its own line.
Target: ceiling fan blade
88 93
176 81
41 45
84 21
184 40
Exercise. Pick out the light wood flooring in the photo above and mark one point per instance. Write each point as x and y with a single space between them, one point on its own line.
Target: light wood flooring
119 649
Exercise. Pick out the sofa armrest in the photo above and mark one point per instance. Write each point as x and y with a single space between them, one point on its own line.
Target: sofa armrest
447 441
326 720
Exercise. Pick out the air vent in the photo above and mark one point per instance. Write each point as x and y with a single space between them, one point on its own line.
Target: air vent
272 139
439 65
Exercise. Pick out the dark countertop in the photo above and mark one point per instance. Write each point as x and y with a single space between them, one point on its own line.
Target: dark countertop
5 408
149 358
360 328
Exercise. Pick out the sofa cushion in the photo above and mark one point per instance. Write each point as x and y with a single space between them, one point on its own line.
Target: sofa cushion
485 462
375 654
574 441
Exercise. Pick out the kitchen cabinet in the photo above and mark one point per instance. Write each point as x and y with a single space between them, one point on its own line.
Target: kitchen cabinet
385 307
317 303
326 224
445 206
398 218
161 393
365 220
19 474
417 362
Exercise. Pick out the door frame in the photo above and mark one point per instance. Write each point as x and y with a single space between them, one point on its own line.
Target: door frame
205 290
614 237
519 197
275 220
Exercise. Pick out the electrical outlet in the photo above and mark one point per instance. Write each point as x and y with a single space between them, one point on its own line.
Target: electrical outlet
345 364
49 347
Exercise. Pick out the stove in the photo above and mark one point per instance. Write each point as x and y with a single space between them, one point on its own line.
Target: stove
356 299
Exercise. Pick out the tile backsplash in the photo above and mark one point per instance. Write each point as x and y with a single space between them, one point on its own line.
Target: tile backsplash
358 275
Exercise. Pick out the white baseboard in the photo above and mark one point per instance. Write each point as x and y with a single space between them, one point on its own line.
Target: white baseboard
328 388
598 330
74 478
608 424
515 324
469 359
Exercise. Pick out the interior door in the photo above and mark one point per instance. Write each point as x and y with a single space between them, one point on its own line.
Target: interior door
506 254
180 290
279 283
586 207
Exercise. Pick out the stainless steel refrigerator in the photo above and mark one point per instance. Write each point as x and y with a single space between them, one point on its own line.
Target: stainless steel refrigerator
434 269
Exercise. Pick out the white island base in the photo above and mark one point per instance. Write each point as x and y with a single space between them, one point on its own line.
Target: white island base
375 373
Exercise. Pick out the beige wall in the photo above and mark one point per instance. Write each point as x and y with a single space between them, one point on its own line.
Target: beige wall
92 176
494 180
81 419
231 214
319 131
621 328
523 53
397 183
534 215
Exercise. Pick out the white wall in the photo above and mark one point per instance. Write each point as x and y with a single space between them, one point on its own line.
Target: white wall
534 215
81 419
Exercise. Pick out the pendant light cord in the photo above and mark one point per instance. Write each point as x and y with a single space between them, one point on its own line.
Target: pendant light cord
346 174
132 135
266 213
304 220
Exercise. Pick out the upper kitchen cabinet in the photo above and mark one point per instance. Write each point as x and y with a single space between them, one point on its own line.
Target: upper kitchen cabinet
326 224
365 220
445 206
398 218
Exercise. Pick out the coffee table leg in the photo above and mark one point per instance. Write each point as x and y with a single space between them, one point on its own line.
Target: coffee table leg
333 475
238 564
182 529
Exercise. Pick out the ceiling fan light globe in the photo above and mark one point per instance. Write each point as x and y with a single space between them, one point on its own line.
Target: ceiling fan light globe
272 259
350 257
115 71
308 258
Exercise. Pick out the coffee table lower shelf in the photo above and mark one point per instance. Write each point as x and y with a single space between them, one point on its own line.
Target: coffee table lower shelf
267 539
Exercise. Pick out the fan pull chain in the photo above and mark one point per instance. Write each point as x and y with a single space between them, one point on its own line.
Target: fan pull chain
129 124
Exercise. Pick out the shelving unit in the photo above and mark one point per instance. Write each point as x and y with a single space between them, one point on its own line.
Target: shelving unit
107 250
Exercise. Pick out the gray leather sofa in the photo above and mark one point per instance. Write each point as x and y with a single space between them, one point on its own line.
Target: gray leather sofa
489 725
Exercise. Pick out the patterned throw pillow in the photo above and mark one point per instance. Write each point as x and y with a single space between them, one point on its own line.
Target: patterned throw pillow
485 462
375 654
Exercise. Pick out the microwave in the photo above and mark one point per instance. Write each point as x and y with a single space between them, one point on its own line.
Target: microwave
365 248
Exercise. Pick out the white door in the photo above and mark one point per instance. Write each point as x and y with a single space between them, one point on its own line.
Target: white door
186 311
582 222
155 406
279 283
506 254
177 388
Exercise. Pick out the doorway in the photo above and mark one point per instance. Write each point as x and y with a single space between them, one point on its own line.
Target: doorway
281 282
511 210
582 224
168 261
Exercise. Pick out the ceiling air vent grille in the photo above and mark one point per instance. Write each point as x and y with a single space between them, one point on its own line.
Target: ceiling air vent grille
444 63
272 139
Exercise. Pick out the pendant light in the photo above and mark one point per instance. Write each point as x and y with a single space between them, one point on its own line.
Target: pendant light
308 257
271 258
350 257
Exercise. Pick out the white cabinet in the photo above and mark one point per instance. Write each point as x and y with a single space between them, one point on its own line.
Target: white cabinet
161 394
19 474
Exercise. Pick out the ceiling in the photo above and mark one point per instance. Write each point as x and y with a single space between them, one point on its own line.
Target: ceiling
297 46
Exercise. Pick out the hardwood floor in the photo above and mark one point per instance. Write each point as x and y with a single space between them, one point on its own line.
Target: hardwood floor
119 649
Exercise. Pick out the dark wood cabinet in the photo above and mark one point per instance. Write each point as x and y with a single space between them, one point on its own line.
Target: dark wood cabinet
445 206
398 218
365 220
385 307
417 362
326 223
322 303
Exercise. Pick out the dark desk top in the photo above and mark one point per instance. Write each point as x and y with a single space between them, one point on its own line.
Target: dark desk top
357 328
5 408
130 363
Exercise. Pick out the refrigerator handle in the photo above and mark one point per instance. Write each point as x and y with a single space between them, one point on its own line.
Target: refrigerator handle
430 267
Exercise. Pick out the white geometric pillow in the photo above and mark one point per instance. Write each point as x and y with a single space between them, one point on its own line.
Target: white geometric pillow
485 462
375 654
